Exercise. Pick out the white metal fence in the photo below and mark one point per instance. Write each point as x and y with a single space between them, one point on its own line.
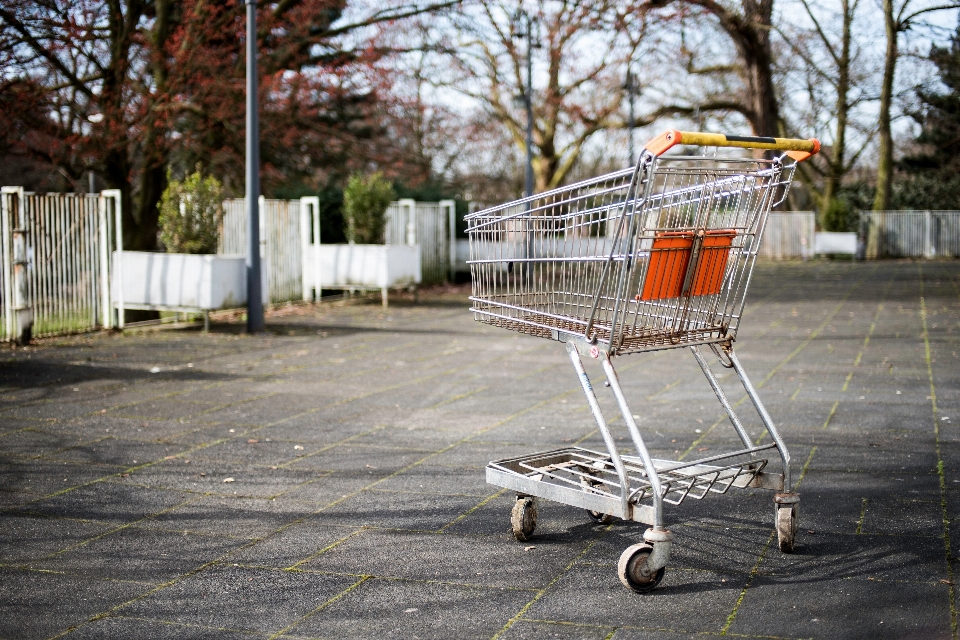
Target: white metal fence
60 244
432 225
788 235
67 260
912 234
283 243
280 243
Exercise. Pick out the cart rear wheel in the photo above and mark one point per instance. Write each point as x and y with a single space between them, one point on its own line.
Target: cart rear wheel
599 517
786 526
523 518
632 561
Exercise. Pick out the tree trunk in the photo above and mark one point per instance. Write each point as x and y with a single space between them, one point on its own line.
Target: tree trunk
750 34
881 200
836 167
153 176
753 44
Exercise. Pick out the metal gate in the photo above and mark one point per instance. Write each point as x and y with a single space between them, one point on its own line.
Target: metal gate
280 243
913 234
788 235
432 225
55 261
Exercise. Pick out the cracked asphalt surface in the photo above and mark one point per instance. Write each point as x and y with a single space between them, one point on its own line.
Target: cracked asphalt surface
326 479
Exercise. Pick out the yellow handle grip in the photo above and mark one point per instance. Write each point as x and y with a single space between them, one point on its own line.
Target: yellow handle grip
797 149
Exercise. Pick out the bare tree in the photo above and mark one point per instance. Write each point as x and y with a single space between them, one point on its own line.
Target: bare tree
831 69
583 48
747 25
896 21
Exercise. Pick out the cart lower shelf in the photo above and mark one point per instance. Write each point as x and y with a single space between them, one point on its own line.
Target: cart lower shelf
588 479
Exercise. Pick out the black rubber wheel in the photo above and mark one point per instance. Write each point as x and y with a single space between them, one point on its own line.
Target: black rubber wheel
632 561
600 518
523 518
786 526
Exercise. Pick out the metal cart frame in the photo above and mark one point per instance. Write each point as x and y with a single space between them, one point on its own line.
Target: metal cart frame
657 256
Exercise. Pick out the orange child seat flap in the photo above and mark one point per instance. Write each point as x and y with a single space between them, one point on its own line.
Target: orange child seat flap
670 258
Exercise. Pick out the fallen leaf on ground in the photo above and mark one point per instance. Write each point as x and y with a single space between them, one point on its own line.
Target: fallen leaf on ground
228 480
252 441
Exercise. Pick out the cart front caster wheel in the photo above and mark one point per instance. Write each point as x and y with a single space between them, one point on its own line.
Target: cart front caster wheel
600 518
632 562
523 518
786 526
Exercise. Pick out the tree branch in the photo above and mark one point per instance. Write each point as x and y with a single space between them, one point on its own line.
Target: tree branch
378 18
37 46
904 22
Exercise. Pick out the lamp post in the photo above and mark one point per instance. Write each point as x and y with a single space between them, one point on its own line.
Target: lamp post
254 287
522 27
631 88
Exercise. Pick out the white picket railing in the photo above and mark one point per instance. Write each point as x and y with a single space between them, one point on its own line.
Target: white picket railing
283 242
788 235
913 234
68 260
432 225
62 264
280 243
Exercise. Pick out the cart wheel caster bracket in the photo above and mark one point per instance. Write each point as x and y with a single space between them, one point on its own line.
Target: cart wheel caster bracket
632 569
523 518
787 512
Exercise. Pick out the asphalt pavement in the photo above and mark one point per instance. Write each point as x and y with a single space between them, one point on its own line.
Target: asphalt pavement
326 479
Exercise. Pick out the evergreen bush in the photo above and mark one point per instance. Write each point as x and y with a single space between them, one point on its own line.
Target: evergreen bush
365 202
190 213
840 215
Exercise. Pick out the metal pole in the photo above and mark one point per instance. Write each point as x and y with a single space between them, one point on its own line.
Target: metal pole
254 293
529 101
630 124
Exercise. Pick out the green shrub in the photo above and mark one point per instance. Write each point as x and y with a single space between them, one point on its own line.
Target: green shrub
930 190
840 215
365 202
190 214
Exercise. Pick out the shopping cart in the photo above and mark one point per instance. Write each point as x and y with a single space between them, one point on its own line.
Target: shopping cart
657 256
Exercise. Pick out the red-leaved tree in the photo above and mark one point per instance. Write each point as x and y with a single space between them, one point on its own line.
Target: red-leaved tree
129 88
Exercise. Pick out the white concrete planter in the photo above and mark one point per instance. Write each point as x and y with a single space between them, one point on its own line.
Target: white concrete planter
835 242
179 281
362 266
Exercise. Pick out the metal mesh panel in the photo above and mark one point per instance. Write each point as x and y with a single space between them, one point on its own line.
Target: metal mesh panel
788 235
430 230
280 237
639 259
